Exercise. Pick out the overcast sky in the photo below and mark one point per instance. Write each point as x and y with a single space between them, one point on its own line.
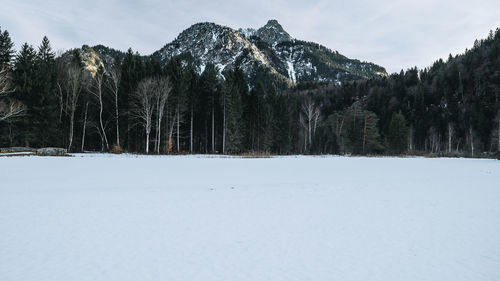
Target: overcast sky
395 34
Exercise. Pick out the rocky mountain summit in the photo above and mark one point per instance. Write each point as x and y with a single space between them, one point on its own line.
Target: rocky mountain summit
272 33
268 51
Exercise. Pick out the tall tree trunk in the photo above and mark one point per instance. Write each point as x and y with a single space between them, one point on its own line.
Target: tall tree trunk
158 145
498 147
305 142
178 130
309 130
364 135
84 125
11 138
117 121
61 102
206 137
471 141
102 126
170 134
191 133
158 127
213 130
155 147
224 128
71 126
410 139
450 135
147 142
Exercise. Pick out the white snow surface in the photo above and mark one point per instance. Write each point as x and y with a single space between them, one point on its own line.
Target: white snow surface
106 217
291 71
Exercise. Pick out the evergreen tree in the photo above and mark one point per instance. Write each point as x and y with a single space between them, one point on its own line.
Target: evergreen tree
132 71
43 113
398 133
356 130
6 48
234 88
209 107
259 120
192 97
282 122
177 104
25 76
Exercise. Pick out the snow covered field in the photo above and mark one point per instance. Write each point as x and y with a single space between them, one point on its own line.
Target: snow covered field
123 218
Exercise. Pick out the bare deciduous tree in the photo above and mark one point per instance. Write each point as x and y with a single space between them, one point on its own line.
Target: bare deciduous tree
84 125
144 105
113 82
74 85
309 118
97 90
451 131
10 109
162 89
5 87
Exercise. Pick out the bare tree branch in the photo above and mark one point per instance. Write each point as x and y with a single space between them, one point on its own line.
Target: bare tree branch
97 90
113 83
10 109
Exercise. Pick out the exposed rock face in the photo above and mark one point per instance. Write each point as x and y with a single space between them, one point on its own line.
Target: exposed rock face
51 151
273 33
209 43
269 49
216 44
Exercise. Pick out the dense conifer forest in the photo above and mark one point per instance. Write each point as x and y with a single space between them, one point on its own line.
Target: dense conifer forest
136 104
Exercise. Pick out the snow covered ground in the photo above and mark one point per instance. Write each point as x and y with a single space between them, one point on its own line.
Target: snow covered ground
107 217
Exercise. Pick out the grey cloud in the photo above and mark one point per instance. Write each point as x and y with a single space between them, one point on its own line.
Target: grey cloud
394 34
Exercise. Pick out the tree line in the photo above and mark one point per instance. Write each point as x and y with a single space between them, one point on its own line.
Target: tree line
135 104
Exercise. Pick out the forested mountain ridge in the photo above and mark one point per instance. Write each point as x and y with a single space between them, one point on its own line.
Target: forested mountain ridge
209 43
99 98
451 107
270 47
272 33
269 51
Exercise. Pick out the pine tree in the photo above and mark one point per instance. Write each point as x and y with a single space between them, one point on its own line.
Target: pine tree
6 49
258 120
234 88
132 71
209 107
44 108
356 130
192 97
177 104
398 133
282 122
25 79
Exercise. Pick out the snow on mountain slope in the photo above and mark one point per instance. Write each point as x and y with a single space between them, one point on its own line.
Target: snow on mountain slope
273 33
126 217
269 47
269 52
211 43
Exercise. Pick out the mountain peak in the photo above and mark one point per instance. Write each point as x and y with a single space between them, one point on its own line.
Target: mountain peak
270 50
273 33
273 23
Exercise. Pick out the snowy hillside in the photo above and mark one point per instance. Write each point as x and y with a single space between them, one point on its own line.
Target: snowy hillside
268 51
280 55
209 43
107 218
